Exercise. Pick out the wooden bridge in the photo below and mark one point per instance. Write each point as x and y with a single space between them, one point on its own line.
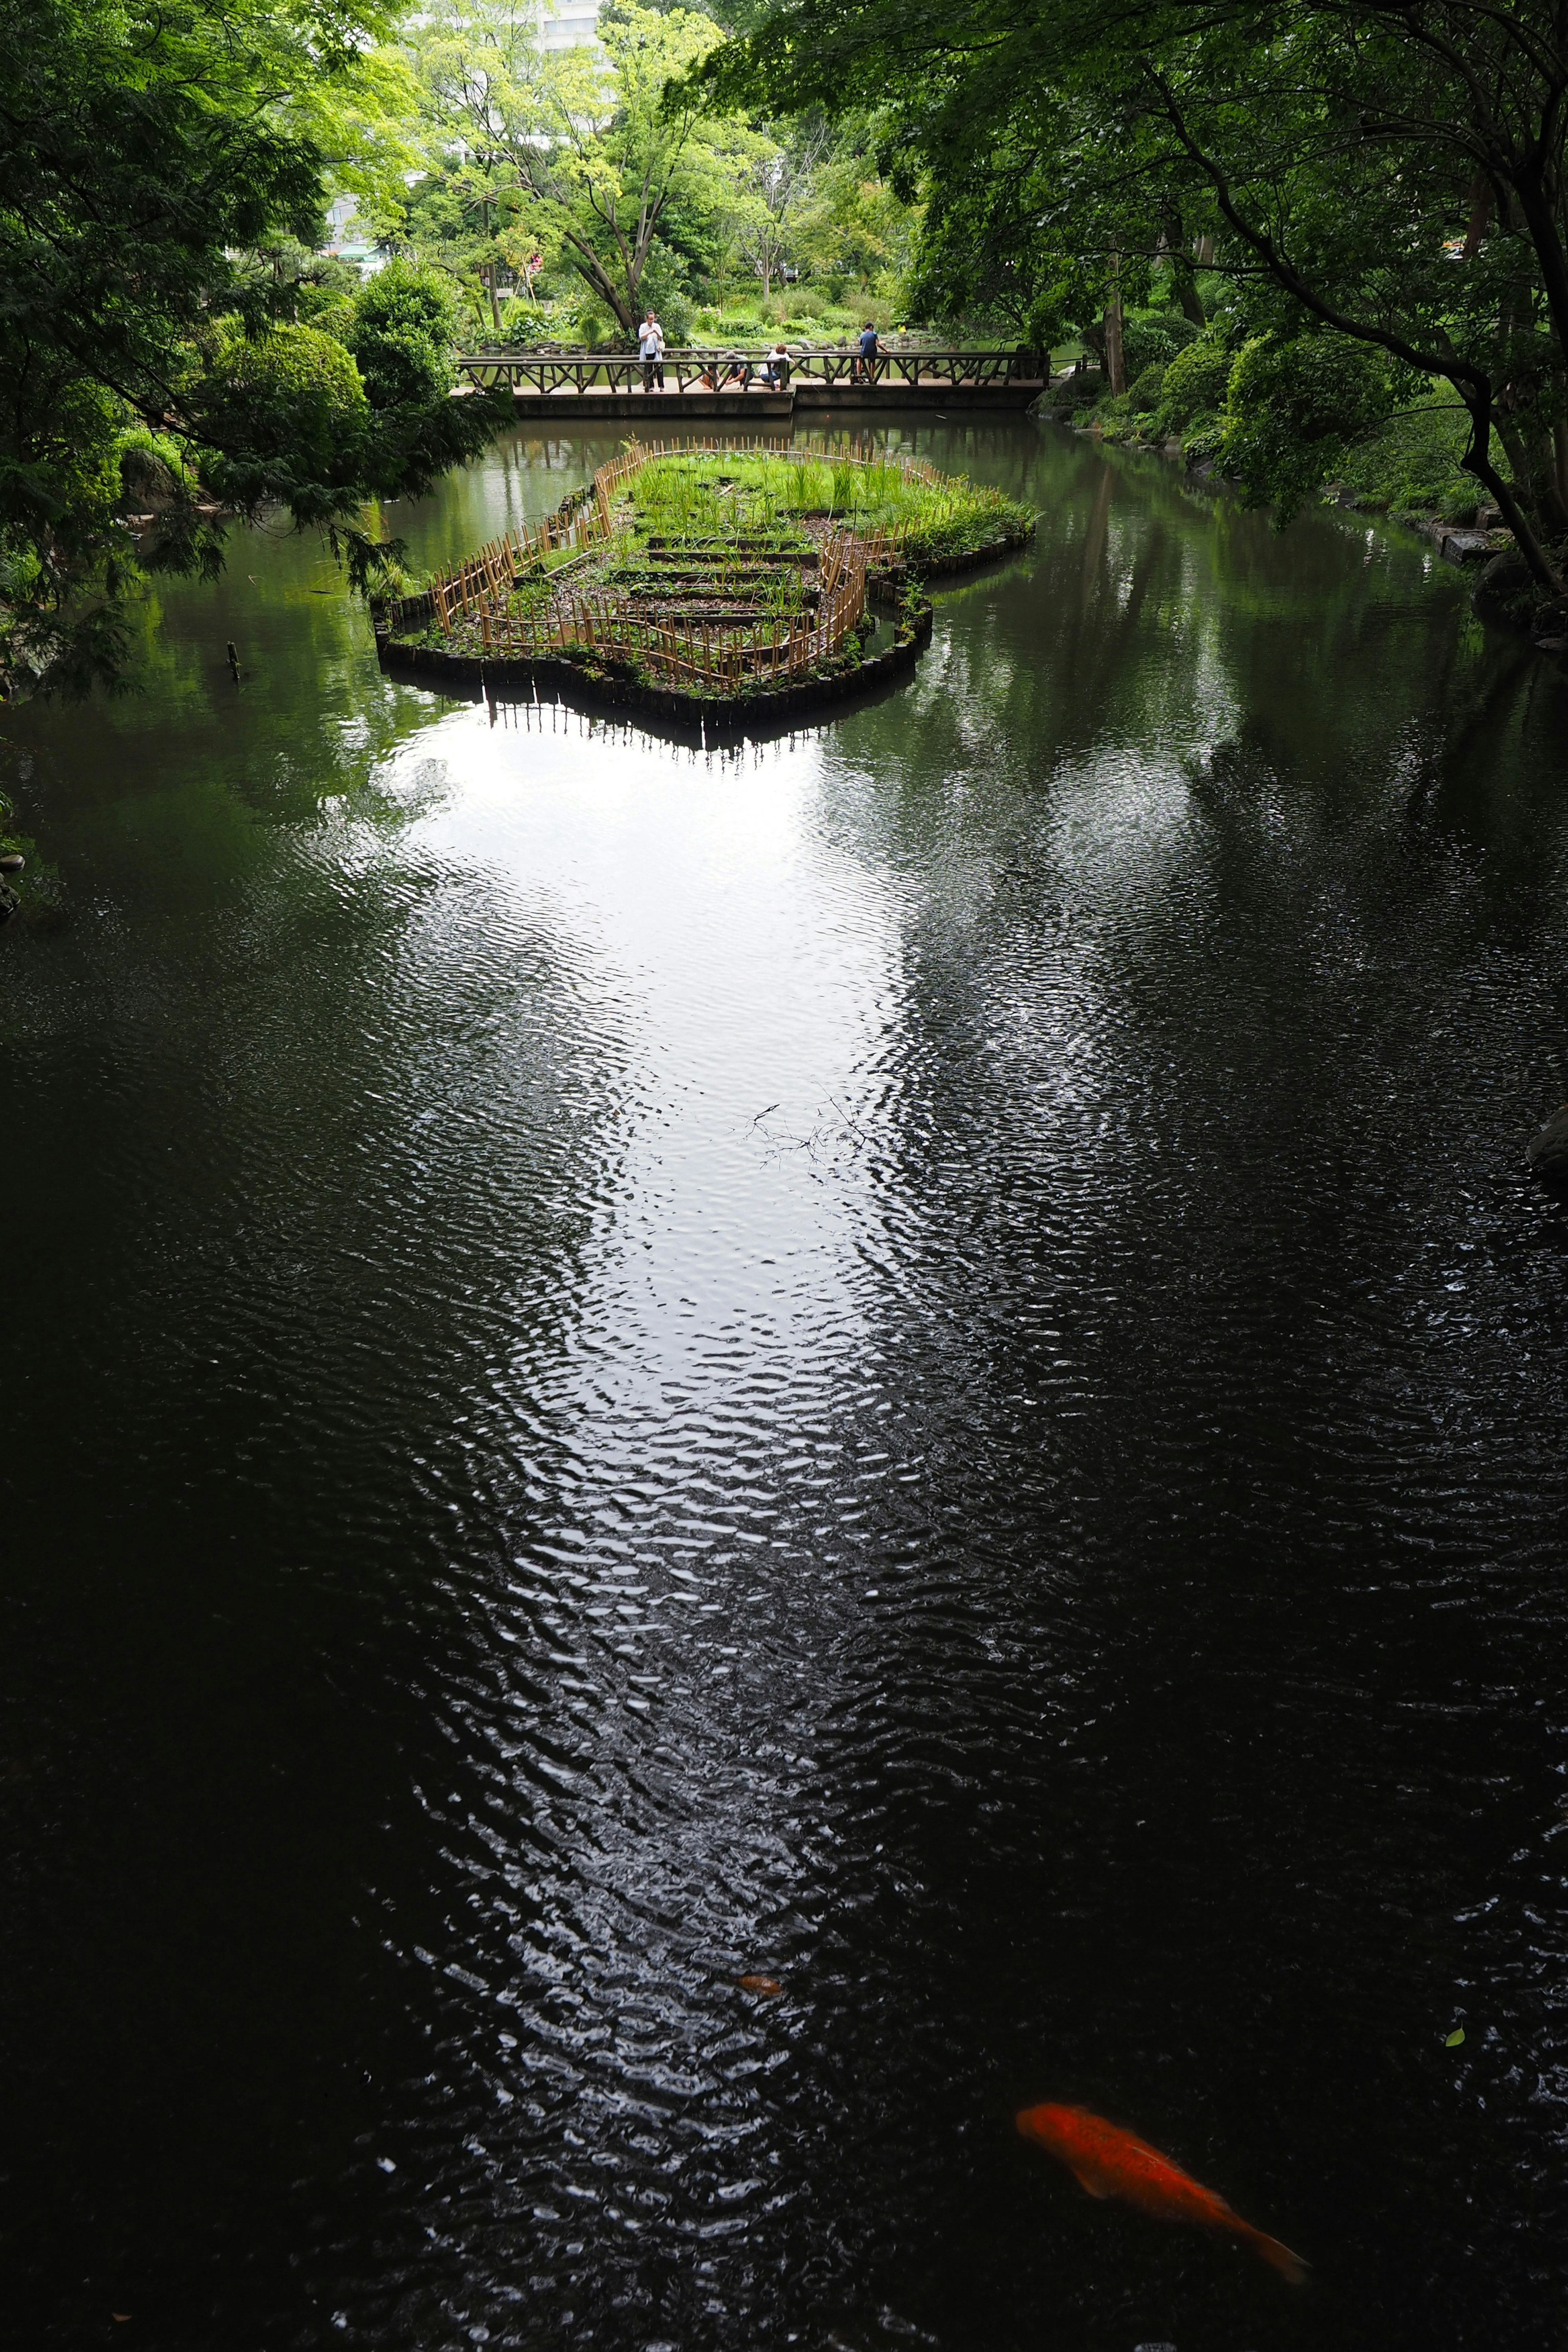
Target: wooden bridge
731 384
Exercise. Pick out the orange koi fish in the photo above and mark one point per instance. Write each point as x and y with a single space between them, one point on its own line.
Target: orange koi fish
1109 2162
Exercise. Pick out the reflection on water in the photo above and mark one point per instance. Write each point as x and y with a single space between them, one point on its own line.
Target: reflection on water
915 1362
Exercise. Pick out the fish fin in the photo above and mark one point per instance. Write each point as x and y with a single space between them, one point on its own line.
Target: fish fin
1095 2187
1288 2265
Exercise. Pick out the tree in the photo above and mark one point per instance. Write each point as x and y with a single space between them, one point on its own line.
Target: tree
1390 176
147 151
853 224
581 135
778 177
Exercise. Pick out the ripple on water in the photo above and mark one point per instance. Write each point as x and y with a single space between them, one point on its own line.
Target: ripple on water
865 1365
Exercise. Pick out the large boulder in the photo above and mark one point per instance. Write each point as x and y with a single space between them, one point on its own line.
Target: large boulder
1547 1149
1506 591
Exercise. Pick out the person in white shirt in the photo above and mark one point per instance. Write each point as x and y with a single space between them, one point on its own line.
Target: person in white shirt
650 351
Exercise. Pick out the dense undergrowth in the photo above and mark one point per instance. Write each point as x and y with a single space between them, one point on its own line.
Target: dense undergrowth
1212 398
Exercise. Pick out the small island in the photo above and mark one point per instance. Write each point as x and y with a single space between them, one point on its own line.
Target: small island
707 582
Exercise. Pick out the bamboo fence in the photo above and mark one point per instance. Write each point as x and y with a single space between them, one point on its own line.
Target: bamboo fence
702 656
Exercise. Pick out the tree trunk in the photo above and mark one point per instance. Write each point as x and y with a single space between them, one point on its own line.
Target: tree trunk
1534 461
1481 197
1174 244
1115 363
1187 294
593 276
1477 460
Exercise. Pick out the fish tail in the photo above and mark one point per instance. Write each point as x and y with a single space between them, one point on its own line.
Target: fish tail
1288 2265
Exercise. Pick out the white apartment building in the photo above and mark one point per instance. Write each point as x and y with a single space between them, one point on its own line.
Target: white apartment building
568 23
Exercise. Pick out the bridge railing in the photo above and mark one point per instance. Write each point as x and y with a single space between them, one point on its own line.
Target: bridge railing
724 369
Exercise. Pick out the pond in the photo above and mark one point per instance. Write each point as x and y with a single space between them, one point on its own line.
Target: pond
916 1360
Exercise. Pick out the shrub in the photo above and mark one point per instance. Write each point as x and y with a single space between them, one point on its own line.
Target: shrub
1291 408
1205 437
1195 382
152 467
403 333
1146 392
292 395
1078 391
1413 461
1153 339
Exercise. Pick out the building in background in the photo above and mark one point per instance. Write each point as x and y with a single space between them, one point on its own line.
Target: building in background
568 24
347 239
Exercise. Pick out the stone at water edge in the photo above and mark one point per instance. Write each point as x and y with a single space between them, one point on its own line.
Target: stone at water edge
1547 1149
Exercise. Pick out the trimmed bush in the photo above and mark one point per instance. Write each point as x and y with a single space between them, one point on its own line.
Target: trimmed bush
404 335
1153 339
1292 407
293 395
1145 393
1194 384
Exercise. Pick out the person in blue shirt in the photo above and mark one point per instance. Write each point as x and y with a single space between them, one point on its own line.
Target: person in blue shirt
868 368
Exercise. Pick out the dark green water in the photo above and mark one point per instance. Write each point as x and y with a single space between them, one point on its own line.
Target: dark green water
918 1361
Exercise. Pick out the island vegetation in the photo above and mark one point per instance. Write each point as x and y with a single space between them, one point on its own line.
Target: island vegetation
713 577
1319 246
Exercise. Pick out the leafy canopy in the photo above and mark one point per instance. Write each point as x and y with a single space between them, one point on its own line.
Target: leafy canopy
1382 175
149 151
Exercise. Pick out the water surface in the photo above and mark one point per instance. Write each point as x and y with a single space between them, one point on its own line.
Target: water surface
917 1359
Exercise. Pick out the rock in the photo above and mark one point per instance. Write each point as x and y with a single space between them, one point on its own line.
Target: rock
12 861
1465 547
1547 1150
1505 591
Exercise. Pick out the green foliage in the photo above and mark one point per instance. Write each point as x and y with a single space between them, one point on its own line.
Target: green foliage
1293 408
38 894
1194 384
292 395
666 290
1145 393
1412 463
1342 171
1152 338
729 498
161 181
582 151
404 334
1203 440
